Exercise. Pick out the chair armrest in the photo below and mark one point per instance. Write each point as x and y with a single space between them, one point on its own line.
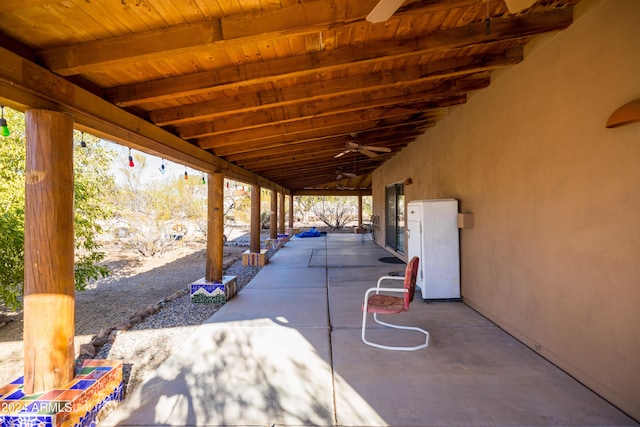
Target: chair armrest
400 278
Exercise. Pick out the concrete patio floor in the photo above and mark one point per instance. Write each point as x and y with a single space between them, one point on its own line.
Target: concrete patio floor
287 351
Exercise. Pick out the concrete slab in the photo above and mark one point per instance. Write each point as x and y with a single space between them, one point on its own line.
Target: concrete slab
237 376
370 274
283 276
292 256
288 307
468 376
275 354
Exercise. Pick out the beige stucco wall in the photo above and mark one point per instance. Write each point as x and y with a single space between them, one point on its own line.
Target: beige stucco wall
554 257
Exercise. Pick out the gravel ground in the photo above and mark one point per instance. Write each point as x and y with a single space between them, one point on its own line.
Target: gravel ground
164 331
113 314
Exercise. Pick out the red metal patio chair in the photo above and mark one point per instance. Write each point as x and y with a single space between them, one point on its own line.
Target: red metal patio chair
387 304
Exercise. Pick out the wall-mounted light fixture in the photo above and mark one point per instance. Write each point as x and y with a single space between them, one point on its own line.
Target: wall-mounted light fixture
625 115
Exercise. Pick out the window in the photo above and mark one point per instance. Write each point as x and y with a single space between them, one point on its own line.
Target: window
395 217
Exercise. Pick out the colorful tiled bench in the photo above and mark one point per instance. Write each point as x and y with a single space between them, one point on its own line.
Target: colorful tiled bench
96 387
254 259
202 291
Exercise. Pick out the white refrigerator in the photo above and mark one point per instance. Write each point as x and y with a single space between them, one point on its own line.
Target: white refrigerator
433 236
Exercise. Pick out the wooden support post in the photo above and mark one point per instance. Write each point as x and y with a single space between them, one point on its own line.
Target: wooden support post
254 235
281 214
359 210
49 301
215 228
290 210
273 226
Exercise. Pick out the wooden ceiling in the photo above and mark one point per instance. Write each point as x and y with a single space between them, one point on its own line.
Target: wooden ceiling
280 87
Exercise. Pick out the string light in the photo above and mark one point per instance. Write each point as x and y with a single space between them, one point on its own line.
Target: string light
204 181
82 143
186 175
131 164
162 168
487 22
4 128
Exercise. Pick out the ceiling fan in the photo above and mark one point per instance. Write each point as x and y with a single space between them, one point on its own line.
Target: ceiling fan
340 174
367 150
386 8
339 186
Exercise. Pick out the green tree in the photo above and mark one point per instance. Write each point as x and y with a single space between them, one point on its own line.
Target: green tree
159 209
92 182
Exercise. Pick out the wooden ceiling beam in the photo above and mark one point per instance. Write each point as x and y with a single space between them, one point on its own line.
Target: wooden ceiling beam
362 90
308 128
270 120
383 136
326 166
275 156
27 85
312 135
327 152
302 18
286 68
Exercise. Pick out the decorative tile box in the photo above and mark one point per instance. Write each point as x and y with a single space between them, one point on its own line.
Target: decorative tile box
214 292
274 243
292 231
254 259
96 387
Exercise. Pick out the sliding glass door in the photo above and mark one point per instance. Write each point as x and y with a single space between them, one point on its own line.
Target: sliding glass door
395 217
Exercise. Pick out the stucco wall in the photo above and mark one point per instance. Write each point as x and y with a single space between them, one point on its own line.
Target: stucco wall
554 257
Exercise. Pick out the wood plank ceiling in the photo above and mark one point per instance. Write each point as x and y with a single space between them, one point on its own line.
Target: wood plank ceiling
281 87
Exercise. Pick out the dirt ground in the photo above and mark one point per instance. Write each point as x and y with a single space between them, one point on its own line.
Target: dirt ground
134 283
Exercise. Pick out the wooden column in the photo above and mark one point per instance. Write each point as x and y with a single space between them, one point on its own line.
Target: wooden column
254 235
359 210
290 210
215 228
273 217
281 214
49 301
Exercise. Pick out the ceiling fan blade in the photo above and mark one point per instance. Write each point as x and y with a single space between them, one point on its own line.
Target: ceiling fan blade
341 154
349 175
352 145
384 10
516 6
379 149
367 152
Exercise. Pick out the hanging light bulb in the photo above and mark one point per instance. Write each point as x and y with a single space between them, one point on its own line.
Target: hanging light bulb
82 143
204 181
186 175
4 129
162 168
131 164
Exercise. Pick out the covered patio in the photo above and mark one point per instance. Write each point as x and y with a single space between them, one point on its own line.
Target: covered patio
287 351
